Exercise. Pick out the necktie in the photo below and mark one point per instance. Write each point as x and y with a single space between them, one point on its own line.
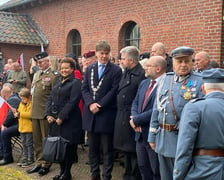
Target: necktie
148 93
42 72
100 70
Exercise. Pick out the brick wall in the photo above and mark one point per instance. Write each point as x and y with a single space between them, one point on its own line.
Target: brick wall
194 23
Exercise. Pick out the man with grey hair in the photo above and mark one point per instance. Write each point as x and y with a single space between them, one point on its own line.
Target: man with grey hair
43 81
9 128
174 91
200 145
202 61
123 133
17 77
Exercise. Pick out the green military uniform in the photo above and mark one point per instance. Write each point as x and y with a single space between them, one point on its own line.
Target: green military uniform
42 84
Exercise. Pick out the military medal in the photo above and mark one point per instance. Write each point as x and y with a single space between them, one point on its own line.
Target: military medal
187 95
44 81
183 87
189 83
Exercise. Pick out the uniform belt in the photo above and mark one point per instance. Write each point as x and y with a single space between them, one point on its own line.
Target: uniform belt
168 127
209 152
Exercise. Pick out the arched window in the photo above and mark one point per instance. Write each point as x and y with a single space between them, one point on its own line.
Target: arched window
132 35
76 43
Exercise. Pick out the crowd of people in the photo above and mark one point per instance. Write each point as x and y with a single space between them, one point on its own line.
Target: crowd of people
161 112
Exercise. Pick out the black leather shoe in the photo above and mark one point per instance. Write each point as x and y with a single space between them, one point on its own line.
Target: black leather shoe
34 169
65 177
43 171
56 177
4 162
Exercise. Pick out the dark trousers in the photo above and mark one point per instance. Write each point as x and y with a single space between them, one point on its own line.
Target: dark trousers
148 162
66 165
97 140
6 136
131 167
27 141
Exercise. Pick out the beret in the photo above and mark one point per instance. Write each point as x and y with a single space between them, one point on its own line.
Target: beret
71 55
89 54
40 56
215 75
144 55
182 51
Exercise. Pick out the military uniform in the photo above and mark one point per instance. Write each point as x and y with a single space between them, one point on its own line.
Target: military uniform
181 92
200 146
42 84
173 93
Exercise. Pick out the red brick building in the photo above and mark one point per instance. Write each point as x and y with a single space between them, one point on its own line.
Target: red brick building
77 25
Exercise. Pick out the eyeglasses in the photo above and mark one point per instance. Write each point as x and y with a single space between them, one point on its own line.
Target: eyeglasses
149 65
39 62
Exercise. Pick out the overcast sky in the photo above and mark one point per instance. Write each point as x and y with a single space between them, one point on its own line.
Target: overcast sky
3 1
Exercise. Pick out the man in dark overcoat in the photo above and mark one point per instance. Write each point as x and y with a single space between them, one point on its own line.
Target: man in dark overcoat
99 91
124 135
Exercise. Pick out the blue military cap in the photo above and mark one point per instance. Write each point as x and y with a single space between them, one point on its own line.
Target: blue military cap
40 56
215 75
182 51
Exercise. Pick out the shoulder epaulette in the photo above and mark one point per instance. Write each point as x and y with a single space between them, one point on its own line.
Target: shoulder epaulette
196 99
196 74
55 73
170 73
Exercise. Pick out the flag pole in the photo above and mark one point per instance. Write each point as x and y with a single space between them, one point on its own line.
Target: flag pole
41 47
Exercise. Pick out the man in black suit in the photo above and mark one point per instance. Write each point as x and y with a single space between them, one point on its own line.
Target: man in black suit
99 91
141 112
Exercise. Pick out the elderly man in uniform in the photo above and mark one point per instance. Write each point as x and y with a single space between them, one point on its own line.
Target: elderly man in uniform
87 59
175 90
200 145
43 81
141 111
124 136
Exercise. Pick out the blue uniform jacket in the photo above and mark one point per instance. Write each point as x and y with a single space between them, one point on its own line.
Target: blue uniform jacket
182 92
201 127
